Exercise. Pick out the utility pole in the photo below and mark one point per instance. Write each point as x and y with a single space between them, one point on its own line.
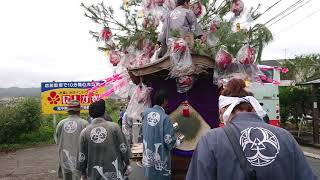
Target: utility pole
285 53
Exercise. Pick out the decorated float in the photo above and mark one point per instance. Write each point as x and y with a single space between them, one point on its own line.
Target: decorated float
191 70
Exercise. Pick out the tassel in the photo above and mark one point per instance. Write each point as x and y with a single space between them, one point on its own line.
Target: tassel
186 112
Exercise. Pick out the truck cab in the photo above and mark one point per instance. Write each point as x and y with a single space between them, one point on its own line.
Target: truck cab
267 93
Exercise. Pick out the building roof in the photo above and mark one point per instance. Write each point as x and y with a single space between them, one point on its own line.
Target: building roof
317 81
272 62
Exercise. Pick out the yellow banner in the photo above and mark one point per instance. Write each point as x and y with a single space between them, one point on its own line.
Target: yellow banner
55 96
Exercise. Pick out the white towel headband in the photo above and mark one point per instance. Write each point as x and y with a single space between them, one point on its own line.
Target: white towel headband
232 102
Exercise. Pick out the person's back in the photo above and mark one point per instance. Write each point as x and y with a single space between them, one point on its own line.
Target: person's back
158 139
104 152
271 151
67 137
105 149
182 20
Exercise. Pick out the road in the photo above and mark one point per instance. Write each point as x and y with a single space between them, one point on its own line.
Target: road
40 164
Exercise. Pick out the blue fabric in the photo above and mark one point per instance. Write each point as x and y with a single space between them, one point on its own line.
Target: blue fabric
203 97
158 140
272 152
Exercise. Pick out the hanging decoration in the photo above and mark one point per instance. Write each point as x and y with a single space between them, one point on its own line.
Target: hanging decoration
184 83
114 57
186 111
223 58
106 34
197 9
180 57
139 101
246 55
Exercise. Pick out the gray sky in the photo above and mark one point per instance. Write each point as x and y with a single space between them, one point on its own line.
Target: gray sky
45 40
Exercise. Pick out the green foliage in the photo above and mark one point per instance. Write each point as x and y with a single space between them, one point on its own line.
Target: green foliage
294 101
41 136
232 40
302 67
113 109
23 126
261 36
130 32
18 119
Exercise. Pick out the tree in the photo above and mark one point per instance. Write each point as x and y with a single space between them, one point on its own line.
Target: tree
141 25
262 37
302 67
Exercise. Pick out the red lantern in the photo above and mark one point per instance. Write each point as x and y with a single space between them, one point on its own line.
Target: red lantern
185 111
106 34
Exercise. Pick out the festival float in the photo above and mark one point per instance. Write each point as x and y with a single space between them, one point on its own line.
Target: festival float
191 69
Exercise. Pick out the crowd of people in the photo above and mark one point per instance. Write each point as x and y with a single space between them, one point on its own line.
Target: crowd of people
245 148
98 150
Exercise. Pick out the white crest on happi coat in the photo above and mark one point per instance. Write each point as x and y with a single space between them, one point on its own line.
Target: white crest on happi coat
267 142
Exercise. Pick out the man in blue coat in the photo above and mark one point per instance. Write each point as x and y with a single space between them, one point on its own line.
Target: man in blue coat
158 139
272 152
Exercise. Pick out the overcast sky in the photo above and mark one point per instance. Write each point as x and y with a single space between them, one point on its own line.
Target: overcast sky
46 40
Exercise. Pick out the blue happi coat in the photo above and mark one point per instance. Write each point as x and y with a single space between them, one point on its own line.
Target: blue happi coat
272 152
158 139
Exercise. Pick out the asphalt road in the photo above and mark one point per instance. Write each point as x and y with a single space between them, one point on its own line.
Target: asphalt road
40 164
315 165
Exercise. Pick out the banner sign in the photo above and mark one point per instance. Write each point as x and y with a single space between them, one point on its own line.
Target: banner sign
55 95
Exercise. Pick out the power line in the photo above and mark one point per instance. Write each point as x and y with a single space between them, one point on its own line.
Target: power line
292 25
289 13
286 10
270 7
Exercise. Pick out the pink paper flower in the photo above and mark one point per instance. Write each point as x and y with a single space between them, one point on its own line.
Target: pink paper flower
285 70
179 46
223 58
213 27
246 55
114 58
106 34
186 80
197 9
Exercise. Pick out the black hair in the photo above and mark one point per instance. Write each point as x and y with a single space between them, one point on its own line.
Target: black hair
181 2
160 96
97 109
72 112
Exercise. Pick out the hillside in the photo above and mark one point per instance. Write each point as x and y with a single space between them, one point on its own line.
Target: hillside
19 92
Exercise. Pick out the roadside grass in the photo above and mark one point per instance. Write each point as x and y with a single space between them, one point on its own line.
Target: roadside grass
43 136
44 133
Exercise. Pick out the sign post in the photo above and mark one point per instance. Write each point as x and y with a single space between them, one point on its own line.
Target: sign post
54 121
314 89
54 127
